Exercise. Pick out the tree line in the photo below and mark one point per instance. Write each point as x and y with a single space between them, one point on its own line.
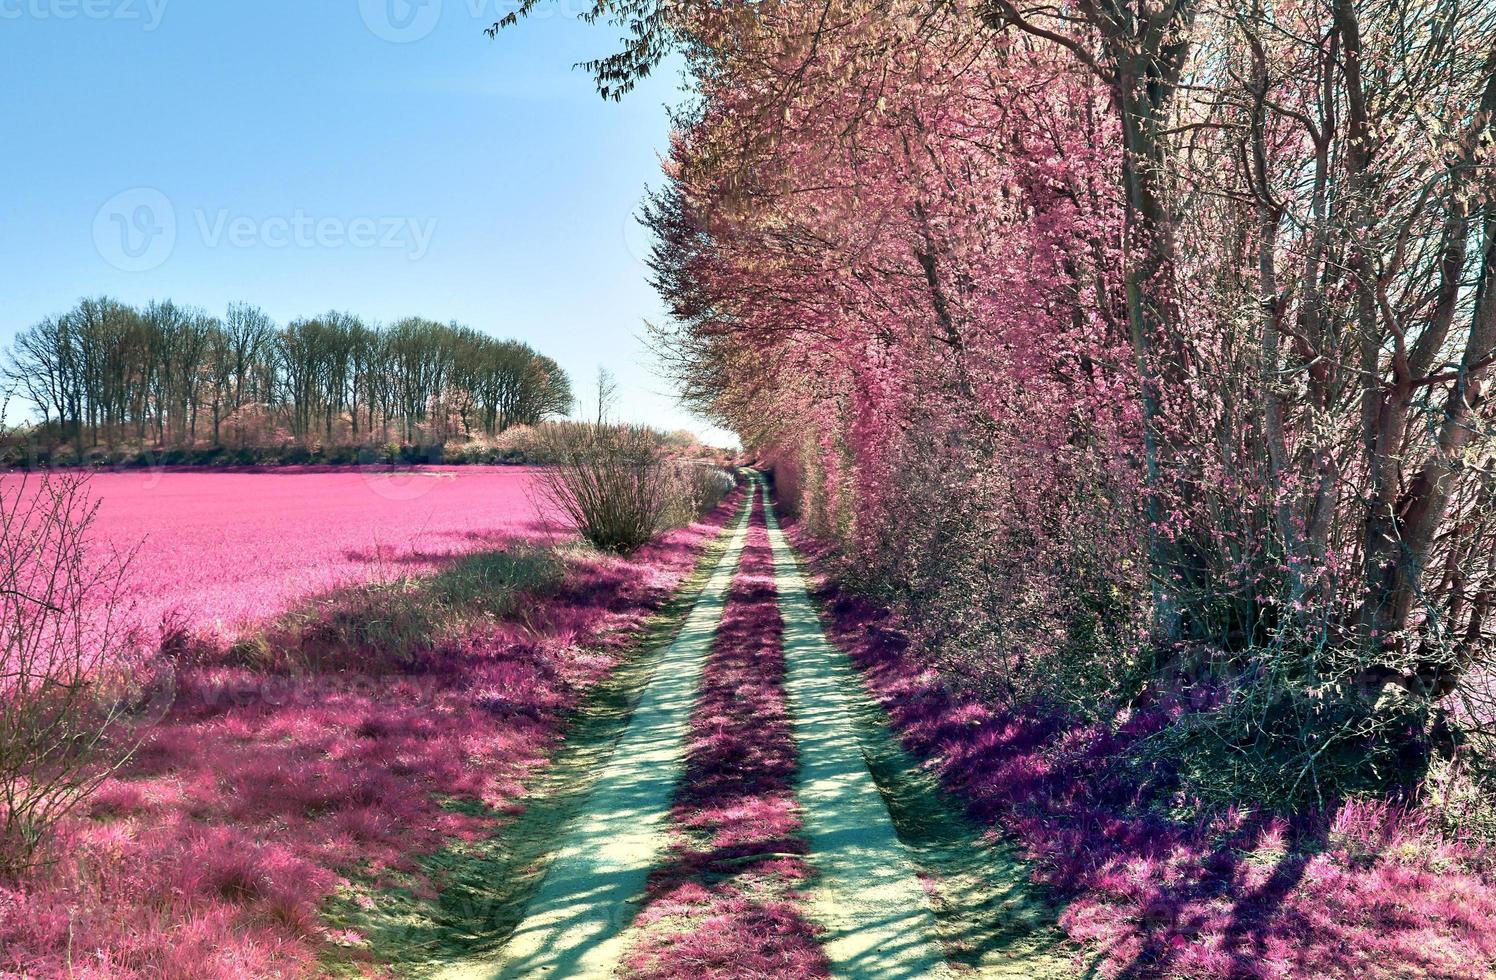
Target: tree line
106 374
1119 342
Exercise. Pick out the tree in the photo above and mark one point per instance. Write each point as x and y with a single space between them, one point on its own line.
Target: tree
104 371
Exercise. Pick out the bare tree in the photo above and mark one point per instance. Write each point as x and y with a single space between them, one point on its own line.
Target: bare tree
69 661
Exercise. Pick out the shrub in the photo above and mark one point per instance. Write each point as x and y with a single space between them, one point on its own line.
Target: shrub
68 662
696 489
609 481
340 455
1295 734
1020 596
710 486
1461 789
524 442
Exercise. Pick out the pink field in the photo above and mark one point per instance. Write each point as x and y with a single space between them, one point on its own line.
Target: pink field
214 852
216 550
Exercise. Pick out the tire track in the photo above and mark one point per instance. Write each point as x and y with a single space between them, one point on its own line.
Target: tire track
724 905
574 924
878 921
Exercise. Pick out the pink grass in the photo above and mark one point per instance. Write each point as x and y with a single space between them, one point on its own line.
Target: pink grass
217 550
1370 891
723 906
212 853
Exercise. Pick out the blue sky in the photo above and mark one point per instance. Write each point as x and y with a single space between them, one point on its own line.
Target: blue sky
308 155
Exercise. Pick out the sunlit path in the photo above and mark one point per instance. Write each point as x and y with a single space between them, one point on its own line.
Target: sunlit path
878 921
574 924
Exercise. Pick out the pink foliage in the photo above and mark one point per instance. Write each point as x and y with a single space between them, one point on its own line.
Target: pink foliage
881 300
723 905
211 854
1061 365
